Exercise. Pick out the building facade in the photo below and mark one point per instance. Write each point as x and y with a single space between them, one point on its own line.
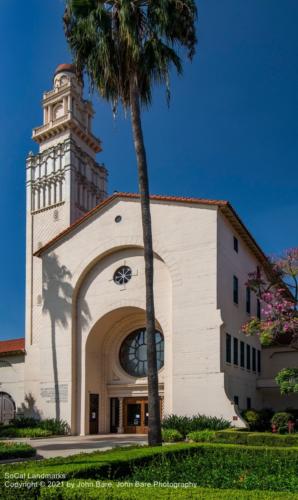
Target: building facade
84 356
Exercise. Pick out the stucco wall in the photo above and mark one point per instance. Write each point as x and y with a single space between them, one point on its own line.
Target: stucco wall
275 359
238 381
12 377
185 239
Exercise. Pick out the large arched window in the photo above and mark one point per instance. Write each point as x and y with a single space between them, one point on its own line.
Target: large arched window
133 352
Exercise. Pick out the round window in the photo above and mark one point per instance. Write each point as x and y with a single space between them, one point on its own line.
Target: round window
122 275
133 353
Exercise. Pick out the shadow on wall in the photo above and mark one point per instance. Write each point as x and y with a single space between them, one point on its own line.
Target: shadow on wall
29 409
57 302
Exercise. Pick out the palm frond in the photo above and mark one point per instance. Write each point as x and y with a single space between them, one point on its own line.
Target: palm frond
113 40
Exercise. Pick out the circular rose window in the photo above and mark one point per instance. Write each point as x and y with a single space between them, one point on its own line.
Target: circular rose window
122 275
133 353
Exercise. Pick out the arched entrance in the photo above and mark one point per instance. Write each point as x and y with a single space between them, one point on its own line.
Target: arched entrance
116 392
7 408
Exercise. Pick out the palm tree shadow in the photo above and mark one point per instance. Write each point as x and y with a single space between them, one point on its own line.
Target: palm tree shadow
29 408
57 302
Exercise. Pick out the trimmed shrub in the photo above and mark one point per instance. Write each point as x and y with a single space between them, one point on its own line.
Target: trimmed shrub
256 438
202 436
185 425
225 466
171 435
281 420
253 418
15 450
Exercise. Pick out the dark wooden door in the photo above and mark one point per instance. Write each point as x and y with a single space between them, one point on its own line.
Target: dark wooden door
7 408
93 413
135 415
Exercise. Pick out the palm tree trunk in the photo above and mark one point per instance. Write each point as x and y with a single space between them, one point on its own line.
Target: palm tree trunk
154 432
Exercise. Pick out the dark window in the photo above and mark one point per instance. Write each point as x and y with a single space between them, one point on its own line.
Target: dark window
235 289
242 354
235 351
259 361
258 272
248 357
248 403
133 352
228 348
258 309
254 360
248 300
236 400
235 244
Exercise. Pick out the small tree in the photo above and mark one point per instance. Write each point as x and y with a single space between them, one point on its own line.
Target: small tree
278 294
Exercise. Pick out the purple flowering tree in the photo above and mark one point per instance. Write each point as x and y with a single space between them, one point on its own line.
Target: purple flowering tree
278 325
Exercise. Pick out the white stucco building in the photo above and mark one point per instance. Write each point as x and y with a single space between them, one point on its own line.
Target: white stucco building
84 355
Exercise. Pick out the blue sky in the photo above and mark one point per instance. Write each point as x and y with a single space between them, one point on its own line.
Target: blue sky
230 132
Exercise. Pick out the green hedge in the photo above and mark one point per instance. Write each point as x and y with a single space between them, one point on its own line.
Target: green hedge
207 465
245 438
15 450
227 466
74 490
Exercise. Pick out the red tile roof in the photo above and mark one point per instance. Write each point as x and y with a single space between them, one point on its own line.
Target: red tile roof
10 347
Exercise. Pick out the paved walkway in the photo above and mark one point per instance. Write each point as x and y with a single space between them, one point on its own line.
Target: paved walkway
71 445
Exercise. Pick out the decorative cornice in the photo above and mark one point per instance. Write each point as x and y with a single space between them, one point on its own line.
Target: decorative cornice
50 207
66 123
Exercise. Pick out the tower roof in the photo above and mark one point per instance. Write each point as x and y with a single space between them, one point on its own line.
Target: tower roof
65 67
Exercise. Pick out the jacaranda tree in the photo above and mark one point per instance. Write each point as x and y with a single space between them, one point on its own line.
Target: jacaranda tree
125 47
278 295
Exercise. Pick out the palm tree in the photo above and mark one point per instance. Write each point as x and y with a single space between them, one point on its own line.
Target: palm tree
125 47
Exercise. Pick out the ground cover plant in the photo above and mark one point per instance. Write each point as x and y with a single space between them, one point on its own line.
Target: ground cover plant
30 427
26 432
15 450
207 465
171 436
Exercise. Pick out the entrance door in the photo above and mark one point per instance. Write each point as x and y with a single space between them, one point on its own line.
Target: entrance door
135 415
93 413
7 408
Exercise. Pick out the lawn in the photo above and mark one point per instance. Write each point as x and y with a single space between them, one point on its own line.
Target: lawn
213 468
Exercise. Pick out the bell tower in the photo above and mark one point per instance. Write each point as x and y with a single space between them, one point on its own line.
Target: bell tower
63 179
